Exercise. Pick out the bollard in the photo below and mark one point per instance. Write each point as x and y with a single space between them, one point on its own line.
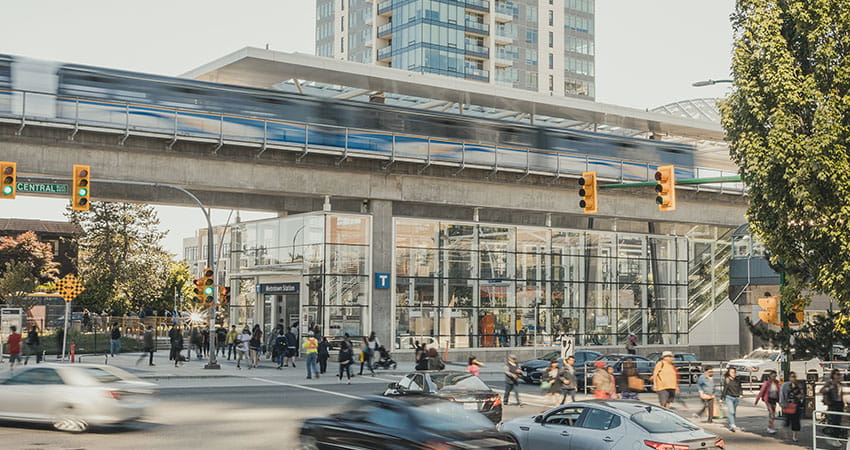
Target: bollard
73 347
446 353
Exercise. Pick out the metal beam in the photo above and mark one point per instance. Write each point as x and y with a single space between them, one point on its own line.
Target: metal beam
353 94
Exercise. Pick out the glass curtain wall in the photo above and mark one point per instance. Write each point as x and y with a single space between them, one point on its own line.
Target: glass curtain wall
484 285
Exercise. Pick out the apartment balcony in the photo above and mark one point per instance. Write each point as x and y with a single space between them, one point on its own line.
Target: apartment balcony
502 39
385 53
477 5
385 8
385 31
503 13
472 73
477 28
476 51
503 61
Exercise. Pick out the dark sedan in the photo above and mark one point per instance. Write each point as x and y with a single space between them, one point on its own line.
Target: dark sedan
533 368
459 387
417 422
584 373
687 364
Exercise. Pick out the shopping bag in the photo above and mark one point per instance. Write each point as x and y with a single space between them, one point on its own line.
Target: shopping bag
718 413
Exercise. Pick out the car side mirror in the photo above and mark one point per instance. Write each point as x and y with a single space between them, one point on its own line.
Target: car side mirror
393 386
538 419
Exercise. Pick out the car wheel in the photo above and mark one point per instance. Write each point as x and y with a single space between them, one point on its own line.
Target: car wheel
308 443
694 378
67 420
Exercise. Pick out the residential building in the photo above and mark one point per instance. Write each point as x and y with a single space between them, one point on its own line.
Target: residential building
62 236
195 250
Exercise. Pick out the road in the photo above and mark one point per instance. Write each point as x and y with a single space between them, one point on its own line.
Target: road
261 409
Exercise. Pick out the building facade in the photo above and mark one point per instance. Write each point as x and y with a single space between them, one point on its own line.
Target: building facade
195 250
62 236
544 46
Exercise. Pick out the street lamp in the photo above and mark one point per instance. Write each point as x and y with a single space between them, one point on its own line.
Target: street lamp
710 82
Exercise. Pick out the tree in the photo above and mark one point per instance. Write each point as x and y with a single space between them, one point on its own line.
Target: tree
121 261
813 340
180 281
788 125
16 283
36 255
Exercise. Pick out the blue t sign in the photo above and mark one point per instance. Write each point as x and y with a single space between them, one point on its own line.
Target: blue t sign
382 280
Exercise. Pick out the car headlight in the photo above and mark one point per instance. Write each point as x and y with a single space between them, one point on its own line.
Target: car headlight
754 369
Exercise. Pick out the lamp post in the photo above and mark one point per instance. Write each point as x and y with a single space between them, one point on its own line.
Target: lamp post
709 82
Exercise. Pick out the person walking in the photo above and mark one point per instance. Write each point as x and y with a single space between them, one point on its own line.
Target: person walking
602 383
550 382
833 397
665 379
512 373
769 394
195 342
421 357
33 345
324 354
220 340
241 343
732 393
370 346
205 341
177 345
434 361
254 346
114 340
705 385
311 348
60 342
231 338
629 382
346 359
792 396
570 381
148 346
474 366
279 348
14 342
291 348
631 344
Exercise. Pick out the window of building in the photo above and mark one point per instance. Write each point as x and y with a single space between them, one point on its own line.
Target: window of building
342 5
531 36
551 17
551 83
551 61
530 57
342 23
551 39
531 14
341 44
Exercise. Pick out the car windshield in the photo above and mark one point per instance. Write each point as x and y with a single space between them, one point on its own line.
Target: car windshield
448 416
101 375
770 355
458 381
656 420
550 356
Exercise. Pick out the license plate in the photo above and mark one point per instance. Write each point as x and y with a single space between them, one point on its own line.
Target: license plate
472 406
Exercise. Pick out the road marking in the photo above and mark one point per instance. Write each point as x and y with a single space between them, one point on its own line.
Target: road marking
308 388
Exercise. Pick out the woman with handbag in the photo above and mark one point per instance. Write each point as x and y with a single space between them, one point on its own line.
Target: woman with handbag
792 396
601 382
705 385
769 394
629 382
551 382
732 393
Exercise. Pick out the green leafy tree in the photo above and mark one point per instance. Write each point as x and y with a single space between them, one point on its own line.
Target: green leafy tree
788 124
179 281
16 282
36 255
121 260
813 340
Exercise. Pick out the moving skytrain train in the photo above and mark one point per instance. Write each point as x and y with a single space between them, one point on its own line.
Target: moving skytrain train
94 96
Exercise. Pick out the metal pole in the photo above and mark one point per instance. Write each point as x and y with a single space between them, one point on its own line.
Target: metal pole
65 334
783 317
708 180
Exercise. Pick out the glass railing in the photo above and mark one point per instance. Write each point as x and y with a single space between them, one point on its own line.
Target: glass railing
477 74
385 6
477 26
477 50
385 29
505 9
385 52
482 5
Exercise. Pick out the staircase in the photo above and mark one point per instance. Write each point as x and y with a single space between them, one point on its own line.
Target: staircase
700 301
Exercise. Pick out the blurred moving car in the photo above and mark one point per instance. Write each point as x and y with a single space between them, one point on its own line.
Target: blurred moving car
584 373
609 424
463 388
753 368
532 369
687 364
404 422
73 397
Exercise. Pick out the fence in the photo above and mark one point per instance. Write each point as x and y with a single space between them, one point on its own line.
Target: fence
830 428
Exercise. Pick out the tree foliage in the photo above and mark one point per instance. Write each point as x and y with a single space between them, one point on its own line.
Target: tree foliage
788 123
813 340
121 261
16 282
179 281
26 249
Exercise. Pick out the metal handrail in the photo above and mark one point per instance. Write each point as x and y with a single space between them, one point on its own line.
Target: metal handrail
262 141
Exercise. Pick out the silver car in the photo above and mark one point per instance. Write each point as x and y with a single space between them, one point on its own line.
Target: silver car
609 424
73 396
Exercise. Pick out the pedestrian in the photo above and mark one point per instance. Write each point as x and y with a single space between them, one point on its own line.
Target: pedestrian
220 339
731 395
205 341
195 342
33 345
291 348
311 348
86 320
570 381
434 361
629 383
550 382
512 373
14 342
279 348
705 385
421 357
241 343
601 381
324 354
60 342
665 379
792 396
474 366
346 359
148 346
769 394
631 344
254 346
231 338
317 333
833 397
370 346
115 340
171 334
613 386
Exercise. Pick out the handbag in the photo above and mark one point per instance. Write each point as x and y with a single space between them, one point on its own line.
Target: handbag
790 408
705 396
636 384
545 385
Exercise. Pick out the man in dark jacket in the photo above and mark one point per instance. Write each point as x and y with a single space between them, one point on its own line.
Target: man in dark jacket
148 346
324 354
291 348
114 340
512 374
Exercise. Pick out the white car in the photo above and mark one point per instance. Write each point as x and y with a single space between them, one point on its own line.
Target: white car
753 368
72 397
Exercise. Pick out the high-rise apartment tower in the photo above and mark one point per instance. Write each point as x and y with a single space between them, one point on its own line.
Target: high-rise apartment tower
544 46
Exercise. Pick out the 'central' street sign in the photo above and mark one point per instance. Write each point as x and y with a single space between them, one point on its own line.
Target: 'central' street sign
42 188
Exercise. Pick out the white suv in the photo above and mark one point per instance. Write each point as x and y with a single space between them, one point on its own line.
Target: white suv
753 368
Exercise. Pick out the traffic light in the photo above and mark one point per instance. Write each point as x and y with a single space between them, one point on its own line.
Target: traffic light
199 291
770 305
796 316
665 188
209 288
81 188
224 295
8 172
587 192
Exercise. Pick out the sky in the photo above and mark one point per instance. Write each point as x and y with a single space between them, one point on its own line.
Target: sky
648 53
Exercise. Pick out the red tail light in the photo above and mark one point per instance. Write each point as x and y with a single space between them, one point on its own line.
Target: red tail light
664 446
495 400
720 443
115 395
436 445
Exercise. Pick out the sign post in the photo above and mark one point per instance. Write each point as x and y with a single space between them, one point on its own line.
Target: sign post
69 288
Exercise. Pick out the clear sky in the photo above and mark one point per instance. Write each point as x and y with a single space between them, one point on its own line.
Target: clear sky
648 53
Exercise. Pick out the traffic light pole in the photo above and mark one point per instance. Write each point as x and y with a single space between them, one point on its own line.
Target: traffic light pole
786 328
212 364
707 180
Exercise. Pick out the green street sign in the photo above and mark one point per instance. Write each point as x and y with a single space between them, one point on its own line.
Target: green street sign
42 188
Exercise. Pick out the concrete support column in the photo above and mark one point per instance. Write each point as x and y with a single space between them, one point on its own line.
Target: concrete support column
382 261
